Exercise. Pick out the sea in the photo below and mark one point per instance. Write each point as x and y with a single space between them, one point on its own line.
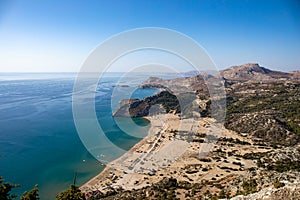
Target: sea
39 142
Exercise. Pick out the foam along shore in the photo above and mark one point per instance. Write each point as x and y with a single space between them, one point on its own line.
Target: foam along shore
152 154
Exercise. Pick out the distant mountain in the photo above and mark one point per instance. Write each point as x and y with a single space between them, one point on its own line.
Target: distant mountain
254 73
189 73
251 72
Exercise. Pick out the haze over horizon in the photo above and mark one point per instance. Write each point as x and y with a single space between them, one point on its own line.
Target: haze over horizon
55 36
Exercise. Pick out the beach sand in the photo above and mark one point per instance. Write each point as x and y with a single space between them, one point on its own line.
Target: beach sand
170 150
156 151
153 154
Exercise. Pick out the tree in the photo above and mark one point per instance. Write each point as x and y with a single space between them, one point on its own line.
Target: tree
73 193
5 189
32 194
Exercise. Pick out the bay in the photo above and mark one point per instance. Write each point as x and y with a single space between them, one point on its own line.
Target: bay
39 143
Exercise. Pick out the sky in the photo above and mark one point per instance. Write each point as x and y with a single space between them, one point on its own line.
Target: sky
58 35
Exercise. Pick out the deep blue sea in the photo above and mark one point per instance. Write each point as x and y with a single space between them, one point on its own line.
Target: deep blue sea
39 143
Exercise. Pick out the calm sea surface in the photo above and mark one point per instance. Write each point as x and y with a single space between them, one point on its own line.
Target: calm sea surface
39 143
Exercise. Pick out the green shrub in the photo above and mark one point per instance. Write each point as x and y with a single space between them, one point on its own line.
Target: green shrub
278 184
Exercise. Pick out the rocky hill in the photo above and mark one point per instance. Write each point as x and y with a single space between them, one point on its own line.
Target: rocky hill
253 72
269 111
140 108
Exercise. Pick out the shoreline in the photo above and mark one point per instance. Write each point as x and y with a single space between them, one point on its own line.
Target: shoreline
160 154
148 161
167 152
110 171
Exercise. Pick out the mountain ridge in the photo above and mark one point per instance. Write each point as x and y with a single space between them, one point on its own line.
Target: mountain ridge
249 72
253 72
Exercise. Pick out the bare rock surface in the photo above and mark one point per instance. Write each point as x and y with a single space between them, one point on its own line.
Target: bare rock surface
289 192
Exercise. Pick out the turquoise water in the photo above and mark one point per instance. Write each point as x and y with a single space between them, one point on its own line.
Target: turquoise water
39 143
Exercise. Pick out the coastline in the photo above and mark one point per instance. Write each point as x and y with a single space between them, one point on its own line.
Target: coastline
146 162
160 154
166 152
111 168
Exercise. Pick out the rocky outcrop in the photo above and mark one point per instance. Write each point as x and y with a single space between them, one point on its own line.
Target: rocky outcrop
282 160
290 191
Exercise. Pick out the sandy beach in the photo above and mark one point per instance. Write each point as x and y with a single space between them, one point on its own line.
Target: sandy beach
146 157
172 149
146 162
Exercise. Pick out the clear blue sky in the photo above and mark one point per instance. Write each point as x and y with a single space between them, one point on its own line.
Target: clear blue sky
57 35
